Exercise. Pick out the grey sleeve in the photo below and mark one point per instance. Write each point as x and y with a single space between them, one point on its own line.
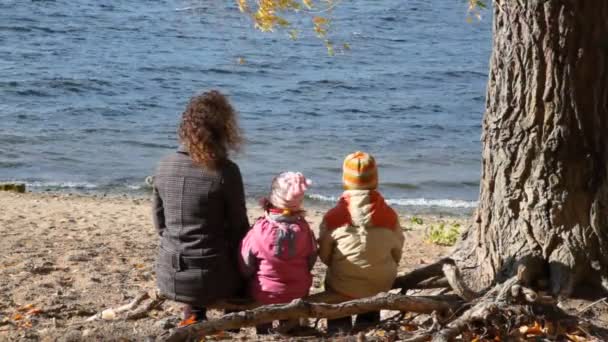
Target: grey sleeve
158 212
236 210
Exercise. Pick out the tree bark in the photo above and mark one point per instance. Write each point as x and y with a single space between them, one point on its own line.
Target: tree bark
544 187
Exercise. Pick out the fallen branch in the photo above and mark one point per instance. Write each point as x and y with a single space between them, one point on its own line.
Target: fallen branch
156 301
112 313
303 309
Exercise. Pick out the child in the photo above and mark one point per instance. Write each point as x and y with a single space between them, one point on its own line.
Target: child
280 250
360 241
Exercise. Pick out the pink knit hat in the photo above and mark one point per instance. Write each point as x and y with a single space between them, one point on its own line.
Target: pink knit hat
287 191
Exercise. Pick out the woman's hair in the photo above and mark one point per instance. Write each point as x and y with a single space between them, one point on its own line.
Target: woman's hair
209 129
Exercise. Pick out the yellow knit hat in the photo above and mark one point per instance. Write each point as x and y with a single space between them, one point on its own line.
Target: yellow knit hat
360 172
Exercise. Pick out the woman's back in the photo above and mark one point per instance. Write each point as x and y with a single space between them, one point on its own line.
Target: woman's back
199 206
193 200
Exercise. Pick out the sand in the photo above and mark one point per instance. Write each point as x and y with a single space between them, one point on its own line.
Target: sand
71 256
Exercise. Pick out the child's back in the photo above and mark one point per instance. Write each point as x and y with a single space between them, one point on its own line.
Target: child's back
279 252
361 243
360 238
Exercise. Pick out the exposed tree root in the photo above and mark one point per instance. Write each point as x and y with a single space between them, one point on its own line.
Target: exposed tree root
420 275
456 283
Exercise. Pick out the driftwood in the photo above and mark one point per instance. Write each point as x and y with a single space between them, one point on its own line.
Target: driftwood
303 309
131 311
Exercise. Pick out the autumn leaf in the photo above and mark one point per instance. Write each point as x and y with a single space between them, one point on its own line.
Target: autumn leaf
26 307
320 20
220 334
34 311
409 327
535 329
187 321
307 3
574 338
243 6
17 317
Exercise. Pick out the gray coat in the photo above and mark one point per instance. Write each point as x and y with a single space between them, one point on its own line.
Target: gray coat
201 218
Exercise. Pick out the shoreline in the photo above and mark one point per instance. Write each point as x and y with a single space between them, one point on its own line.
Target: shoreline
412 206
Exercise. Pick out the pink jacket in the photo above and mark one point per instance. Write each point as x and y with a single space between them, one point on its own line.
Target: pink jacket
277 255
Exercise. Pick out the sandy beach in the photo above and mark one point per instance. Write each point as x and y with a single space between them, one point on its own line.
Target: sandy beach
65 257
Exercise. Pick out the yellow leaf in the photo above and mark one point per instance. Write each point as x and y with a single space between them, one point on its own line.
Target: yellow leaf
243 7
307 3
240 60
320 20
17 317
380 333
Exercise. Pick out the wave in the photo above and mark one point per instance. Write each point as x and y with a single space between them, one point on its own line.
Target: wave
423 202
62 185
410 202
53 185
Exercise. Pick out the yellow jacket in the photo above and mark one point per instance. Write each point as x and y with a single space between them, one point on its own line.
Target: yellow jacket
361 243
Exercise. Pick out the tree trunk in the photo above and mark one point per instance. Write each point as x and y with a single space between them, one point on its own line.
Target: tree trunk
544 187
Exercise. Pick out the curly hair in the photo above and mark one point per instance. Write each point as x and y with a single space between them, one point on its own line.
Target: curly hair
209 129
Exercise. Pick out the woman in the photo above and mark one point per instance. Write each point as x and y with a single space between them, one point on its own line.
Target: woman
199 208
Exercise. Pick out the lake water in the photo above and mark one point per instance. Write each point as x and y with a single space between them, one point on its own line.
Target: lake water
91 93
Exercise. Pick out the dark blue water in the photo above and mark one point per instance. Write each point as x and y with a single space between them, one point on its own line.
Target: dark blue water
91 93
